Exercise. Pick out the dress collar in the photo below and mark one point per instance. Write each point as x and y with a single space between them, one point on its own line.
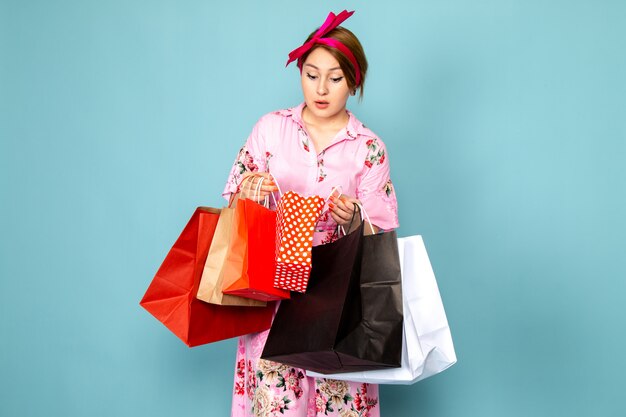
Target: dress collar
353 129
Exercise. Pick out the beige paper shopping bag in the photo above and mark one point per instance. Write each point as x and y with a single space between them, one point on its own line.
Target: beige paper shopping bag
210 289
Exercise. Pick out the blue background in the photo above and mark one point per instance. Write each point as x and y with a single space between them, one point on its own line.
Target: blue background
506 128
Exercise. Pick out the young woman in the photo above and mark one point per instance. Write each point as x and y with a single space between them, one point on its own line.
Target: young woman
311 149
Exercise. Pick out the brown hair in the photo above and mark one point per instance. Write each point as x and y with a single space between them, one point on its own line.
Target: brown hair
351 42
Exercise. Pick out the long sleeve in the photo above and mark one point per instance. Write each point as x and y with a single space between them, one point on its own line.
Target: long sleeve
375 189
251 158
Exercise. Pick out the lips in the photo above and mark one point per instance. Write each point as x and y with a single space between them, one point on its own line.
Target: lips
321 104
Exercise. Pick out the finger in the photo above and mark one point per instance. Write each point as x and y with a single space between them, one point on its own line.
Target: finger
250 196
345 205
267 178
244 188
350 199
245 181
265 193
338 219
346 222
336 193
343 214
251 176
350 202
269 188
257 183
258 196
250 182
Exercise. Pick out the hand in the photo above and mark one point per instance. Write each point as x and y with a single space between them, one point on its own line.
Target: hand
342 209
250 184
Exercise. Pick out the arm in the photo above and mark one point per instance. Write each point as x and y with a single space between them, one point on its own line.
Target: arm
374 191
249 167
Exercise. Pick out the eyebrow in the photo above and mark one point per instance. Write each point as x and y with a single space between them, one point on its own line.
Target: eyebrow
330 69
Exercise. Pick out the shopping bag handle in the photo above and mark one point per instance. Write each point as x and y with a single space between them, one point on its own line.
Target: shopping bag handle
257 190
327 199
233 199
364 216
332 191
257 193
280 193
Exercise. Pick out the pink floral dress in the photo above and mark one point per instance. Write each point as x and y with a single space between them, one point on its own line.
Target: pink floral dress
355 160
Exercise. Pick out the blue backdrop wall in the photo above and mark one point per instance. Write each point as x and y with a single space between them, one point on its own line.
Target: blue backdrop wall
506 128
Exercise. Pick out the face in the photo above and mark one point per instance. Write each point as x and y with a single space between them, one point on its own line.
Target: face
324 85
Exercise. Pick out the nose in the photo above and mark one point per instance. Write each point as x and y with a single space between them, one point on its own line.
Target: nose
321 87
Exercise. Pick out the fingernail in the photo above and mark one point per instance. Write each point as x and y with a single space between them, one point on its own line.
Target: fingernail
331 205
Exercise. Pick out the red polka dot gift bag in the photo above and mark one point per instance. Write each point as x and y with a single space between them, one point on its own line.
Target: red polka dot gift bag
296 217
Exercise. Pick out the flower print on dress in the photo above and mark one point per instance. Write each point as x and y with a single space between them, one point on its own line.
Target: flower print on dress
279 405
244 163
305 139
322 405
262 401
243 385
241 368
320 167
350 133
265 403
375 153
251 383
329 237
349 413
337 392
270 371
324 218
388 188
291 382
240 377
268 156
362 403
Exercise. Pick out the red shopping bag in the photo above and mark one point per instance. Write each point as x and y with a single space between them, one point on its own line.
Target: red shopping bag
296 219
171 297
255 230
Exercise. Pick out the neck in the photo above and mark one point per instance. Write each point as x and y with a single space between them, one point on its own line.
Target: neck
338 121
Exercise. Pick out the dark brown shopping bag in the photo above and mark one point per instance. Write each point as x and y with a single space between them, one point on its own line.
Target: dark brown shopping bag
350 318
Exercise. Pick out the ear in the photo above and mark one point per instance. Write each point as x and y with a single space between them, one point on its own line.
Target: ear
353 92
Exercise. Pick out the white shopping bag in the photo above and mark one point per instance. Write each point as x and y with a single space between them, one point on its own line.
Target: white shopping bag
427 347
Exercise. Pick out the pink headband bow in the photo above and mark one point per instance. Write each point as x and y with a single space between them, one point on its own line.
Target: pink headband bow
332 21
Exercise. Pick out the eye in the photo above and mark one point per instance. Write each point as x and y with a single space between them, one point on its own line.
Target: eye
336 80
311 77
